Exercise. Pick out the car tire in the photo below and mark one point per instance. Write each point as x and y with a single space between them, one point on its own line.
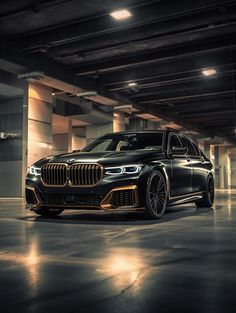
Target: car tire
156 196
208 199
48 212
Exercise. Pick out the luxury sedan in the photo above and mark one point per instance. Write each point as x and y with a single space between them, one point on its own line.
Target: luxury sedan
124 171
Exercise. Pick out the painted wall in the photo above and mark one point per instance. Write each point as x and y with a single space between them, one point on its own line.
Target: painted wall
11 121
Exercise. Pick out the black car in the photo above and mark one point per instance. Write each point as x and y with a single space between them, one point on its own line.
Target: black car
146 170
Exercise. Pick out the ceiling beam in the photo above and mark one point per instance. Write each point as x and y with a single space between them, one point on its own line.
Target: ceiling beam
203 49
150 44
55 70
188 97
208 115
166 71
93 26
175 26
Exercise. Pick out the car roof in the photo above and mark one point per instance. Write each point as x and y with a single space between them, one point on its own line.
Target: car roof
143 132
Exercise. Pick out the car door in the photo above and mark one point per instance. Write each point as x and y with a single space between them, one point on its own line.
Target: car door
199 171
181 175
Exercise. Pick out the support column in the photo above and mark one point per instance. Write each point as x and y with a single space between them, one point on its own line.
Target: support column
97 130
223 167
61 134
78 138
39 122
118 121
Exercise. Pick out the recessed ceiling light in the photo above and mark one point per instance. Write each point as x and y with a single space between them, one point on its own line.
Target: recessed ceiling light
132 84
120 14
209 72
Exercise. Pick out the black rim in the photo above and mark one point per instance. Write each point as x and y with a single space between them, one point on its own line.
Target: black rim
211 190
157 194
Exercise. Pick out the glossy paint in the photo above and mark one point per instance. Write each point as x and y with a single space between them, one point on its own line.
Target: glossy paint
91 262
184 175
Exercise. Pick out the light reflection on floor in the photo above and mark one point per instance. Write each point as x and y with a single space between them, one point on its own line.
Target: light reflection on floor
94 262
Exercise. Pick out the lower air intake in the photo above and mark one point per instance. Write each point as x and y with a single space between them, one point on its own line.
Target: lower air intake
123 198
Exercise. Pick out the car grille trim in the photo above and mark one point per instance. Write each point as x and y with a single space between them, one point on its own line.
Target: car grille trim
76 175
54 174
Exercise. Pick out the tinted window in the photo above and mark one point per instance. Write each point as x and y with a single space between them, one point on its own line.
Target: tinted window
174 141
187 143
196 148
102 145
130 141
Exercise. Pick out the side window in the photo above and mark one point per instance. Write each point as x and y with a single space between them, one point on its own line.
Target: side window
187 143
174 141
197 149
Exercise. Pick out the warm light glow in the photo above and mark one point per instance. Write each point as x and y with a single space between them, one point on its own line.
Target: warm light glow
120 14
44 145
132 84
30 261
125 268
209 72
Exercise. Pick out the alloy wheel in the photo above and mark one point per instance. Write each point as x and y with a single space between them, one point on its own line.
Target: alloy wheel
157 194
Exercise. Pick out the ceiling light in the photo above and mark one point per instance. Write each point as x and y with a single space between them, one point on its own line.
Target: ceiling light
86 93
120 14
132 84
58 93
209 72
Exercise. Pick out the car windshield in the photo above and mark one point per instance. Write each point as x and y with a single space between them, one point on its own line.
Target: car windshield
125 142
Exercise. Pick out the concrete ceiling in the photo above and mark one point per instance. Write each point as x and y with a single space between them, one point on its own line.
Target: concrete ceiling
163 48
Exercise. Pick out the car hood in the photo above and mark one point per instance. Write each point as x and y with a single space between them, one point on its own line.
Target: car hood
107 158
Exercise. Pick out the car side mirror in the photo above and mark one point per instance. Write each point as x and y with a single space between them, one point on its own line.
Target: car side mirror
175 150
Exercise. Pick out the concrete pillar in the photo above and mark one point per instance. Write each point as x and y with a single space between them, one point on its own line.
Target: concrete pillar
232 167
62 134
97 130
118 121
39 122
78 138
220 158
223 167
137 124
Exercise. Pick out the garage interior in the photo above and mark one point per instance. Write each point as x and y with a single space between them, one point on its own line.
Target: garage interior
71 71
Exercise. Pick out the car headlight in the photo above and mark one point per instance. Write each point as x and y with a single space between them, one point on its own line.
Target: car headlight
35 170
124 169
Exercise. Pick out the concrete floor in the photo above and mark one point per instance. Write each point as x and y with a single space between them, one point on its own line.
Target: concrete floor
81 262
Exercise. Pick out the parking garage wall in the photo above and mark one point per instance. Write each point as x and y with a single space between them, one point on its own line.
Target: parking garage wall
11 121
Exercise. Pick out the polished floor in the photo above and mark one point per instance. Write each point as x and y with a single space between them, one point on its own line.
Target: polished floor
80 262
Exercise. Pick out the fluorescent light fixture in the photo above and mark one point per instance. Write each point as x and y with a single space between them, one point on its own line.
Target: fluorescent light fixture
209 72
121 14
132 84
86 94
58 93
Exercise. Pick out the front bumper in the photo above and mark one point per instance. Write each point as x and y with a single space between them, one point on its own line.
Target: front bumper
112 193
